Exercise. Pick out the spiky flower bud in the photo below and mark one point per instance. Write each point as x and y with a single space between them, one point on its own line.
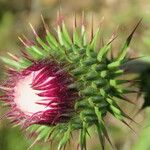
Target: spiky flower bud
66 84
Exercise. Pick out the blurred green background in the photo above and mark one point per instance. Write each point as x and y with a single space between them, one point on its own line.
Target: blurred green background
14 18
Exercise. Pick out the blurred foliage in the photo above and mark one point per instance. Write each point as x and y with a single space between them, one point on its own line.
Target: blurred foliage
143 142
14 18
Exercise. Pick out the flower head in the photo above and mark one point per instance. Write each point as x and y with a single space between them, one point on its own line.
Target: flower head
66 83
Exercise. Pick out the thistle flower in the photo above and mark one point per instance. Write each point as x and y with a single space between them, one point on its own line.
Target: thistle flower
40 94
65 84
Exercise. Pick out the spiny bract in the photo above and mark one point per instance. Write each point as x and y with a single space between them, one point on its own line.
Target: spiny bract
88 83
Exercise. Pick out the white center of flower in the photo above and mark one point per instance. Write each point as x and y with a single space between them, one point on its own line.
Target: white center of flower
26 97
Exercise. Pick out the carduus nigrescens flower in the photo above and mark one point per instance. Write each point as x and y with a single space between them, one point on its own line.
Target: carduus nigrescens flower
64 84
40 94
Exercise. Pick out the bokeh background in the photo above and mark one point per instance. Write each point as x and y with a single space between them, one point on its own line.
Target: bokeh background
120 15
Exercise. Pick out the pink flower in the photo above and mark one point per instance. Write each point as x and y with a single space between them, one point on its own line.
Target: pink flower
40 94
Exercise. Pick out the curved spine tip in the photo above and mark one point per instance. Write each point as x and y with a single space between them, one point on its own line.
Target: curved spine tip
34 32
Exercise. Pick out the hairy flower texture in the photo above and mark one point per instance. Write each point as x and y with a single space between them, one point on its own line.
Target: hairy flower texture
40 94
66 83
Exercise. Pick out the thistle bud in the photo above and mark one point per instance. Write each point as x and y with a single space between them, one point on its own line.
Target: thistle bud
67 84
